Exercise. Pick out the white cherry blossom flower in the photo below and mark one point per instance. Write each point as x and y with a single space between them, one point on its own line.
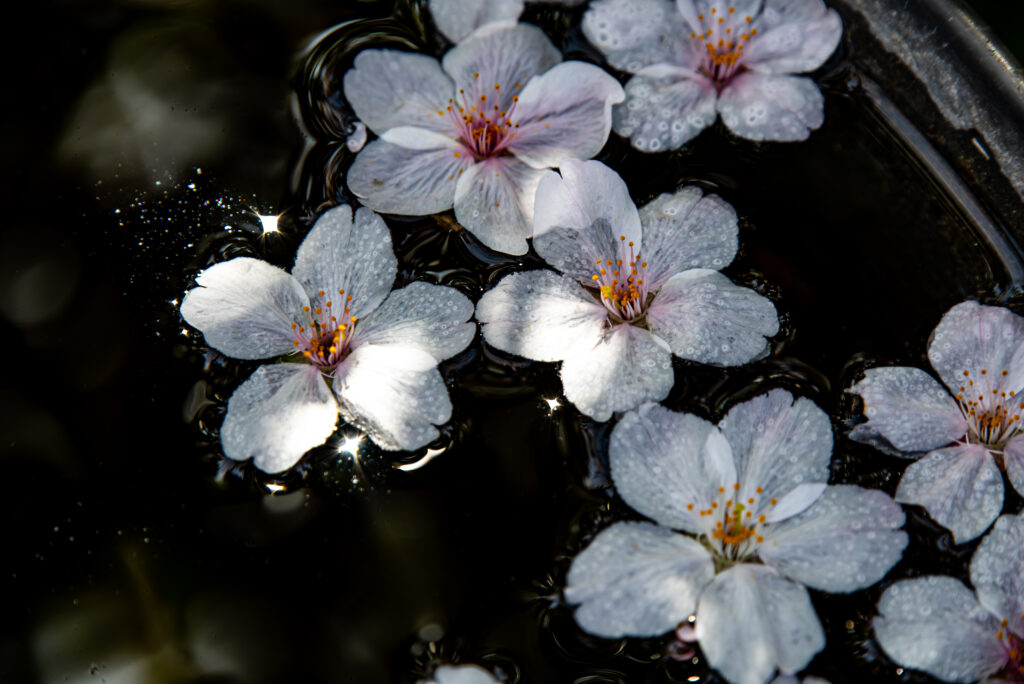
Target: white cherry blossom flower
938 625
461 674
477 130
759 525
336 316
457 19
696 59
969 433
634 288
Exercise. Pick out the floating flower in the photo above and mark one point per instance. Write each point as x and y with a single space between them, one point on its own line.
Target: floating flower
938 625
625 302
477 130
456 19
696 59
461 674
971 434
358 349
761 525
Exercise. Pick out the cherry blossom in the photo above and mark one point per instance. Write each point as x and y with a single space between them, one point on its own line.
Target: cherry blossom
457 19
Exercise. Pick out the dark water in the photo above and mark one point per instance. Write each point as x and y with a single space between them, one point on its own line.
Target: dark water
152 133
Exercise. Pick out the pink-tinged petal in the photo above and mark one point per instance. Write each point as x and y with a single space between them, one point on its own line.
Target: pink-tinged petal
779 444
935 624
393 392
908 408
665 108
997 571
245 308
494 200
1013 458
429 317
637 579
691 9
769 615
779 108
972 337
393 179
626 368
847 540
565 113
633 34
793 36
581 216
506 56
277 415
456 19
462 674
687 229
339 254
669 466
705 318
540 315
960 487
390 88
796 501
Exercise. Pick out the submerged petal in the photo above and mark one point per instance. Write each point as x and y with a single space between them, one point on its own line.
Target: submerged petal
935 624
763 107
456 19
395 393
665 108
633 34
540 315
769 616
847 540
390 88
244 308
410 181
960 487
637 579
997 571
461 674
908 408
494 201
705 318
626 368
794 36
972 337
663 467
277 415
339 254
565 113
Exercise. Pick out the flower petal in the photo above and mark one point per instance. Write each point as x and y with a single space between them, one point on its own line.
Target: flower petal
494 201
626 368
705 318
565 113
390 88
393 392
1013 457
637 579
410 181
341 255
847 540
506 56
684 230
971 337
663 467
908 408
245 308
793 36
456 19
432 318
633 34
664 109
277 415
778 444
997 571
770 616
935 624
762 107
540 315
960 487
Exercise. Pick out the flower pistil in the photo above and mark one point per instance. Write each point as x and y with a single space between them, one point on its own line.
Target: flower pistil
324 340
623 283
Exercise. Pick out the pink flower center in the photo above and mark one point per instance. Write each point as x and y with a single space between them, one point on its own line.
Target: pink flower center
993 413
720 42
623 283
325 337
1014 670
736 532
479 120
